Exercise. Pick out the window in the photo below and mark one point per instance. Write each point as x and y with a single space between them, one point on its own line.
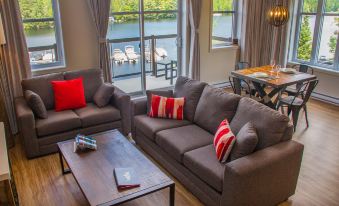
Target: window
145 44
317 33
41 21
223 22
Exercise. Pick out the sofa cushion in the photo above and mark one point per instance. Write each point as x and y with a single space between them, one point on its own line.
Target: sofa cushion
246 141
163 93
103 95
36 104
92 79
191 90
93 115
214 106
150 126
270 124
179 140
57 122
204 164
69 94
42 86
223 142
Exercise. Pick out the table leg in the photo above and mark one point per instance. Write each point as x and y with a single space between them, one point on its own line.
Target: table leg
172 195
263 94
63 170
237 85
171 81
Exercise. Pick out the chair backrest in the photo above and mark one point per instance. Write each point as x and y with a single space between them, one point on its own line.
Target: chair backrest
242 65
309 89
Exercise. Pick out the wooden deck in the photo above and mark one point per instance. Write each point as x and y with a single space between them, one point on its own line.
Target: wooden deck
39 181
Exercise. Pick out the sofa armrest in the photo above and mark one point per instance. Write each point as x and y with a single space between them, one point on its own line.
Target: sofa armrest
138 107
122 101
26 123
266 177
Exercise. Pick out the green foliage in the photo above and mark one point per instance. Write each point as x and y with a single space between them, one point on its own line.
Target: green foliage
332 43
333 39
36 9
222 5
305 40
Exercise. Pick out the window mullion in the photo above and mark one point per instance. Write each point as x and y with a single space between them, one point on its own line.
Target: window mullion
317 32
336 54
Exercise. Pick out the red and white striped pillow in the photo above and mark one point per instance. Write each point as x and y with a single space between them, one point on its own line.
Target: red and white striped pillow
224 140
166 107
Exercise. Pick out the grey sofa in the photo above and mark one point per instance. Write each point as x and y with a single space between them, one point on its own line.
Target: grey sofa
39 136
268 176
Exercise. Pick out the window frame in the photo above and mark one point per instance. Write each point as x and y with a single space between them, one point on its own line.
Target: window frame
61 63
234 32
317 34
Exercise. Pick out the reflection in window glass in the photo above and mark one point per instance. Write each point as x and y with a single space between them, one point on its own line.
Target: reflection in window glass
328 40
304 49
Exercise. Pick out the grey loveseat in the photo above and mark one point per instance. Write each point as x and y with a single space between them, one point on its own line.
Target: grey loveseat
268 176
39 136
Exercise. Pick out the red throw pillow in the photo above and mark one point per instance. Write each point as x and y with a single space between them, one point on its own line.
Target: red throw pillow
224 140
69 94
165 107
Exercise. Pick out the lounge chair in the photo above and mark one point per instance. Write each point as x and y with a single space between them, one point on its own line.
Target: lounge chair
132 56
119 56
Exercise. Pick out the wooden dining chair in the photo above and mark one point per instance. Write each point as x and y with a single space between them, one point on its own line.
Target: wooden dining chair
245 85
246 88
295 103
242 65
292 91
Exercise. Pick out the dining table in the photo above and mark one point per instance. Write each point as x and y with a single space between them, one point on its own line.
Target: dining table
278 81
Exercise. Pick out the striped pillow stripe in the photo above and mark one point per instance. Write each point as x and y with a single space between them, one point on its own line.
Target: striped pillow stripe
169 108
224 140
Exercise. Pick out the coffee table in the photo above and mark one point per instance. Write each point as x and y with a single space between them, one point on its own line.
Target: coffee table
93 170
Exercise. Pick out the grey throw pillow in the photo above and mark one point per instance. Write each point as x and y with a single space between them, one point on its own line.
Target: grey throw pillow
191 90
163 93
36 104
246 141
103 95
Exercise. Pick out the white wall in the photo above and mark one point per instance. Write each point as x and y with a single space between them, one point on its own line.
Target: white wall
328 87
217 64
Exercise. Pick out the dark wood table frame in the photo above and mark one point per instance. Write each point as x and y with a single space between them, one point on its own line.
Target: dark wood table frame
168 184
278 84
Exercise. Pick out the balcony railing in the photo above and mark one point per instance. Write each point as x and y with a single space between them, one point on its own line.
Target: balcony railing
153 56
43 54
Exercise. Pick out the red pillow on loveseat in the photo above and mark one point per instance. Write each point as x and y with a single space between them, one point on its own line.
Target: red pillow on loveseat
69 94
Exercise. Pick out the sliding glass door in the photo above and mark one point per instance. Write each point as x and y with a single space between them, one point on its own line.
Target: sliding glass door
145 43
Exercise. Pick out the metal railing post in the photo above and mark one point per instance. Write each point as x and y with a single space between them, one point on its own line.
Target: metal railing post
154 64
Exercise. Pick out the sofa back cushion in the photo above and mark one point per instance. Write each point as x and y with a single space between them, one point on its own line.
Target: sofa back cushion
41 85
270 124
191 90
214 106
92 80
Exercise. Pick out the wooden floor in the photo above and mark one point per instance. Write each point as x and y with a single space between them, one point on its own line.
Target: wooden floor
39 181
